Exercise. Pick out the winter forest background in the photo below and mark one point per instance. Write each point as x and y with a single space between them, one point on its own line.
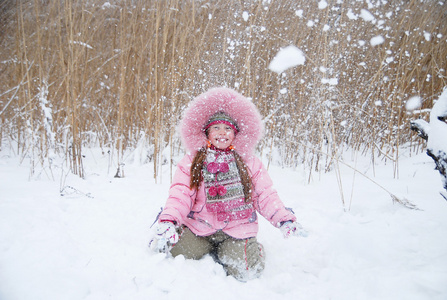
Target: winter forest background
118 74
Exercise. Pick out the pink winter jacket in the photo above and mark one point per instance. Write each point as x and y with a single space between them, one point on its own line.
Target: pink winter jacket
187 207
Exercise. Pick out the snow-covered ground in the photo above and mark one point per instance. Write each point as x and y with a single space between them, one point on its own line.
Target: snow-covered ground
91 243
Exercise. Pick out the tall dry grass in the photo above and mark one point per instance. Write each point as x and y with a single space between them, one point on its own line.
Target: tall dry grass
118 74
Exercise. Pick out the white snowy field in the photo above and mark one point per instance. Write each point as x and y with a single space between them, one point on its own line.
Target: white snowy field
92 243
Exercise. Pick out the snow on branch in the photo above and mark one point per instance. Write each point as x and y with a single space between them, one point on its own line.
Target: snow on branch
82 44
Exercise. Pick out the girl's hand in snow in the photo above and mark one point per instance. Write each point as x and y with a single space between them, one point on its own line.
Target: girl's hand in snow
290 228
165 237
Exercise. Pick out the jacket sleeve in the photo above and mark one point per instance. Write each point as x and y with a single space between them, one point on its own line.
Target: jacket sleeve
265 198
181 197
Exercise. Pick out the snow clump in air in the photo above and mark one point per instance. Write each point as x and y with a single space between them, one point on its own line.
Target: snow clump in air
413 103
245 16
322 4
367 16
377 40
351 15
287 58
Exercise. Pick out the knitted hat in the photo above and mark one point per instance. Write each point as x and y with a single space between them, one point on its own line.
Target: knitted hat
221 118
240 110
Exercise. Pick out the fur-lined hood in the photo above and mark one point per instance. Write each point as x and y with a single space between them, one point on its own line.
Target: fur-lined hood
239 108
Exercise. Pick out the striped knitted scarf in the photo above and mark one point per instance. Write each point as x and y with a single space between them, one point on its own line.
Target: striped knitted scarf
223 187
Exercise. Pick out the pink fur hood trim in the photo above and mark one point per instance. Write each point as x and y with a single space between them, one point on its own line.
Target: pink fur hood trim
239 108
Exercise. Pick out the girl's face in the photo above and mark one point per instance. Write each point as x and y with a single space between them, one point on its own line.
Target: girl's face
221 135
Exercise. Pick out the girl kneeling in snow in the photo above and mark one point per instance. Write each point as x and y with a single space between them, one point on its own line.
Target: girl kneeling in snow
219 186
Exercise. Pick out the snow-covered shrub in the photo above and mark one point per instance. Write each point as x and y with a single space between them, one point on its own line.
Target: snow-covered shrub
435 133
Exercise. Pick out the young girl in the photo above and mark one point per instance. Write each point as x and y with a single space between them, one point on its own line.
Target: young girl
219 187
